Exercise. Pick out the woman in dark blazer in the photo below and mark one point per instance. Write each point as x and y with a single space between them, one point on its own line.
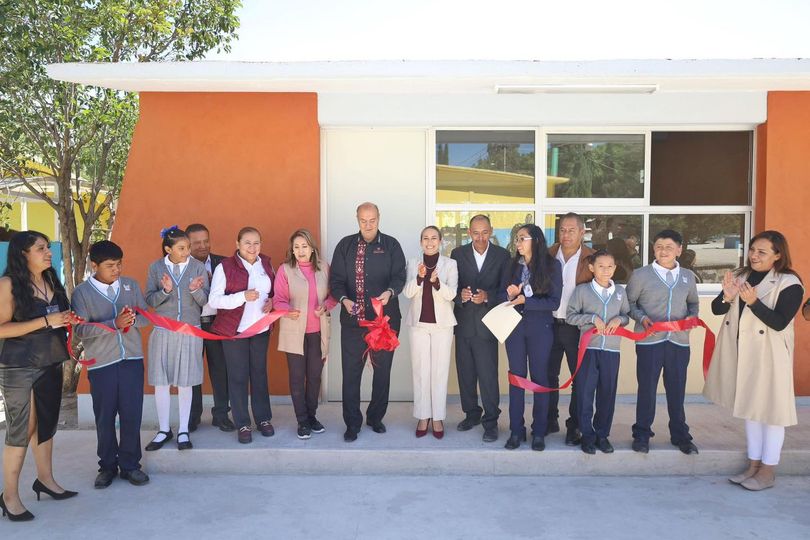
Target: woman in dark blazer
534 287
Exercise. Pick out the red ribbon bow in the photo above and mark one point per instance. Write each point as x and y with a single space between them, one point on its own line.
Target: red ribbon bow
380 336
662 326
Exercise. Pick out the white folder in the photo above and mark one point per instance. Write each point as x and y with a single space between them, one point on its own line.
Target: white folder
502 320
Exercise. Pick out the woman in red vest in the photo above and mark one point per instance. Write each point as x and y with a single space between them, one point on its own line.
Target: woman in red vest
242 291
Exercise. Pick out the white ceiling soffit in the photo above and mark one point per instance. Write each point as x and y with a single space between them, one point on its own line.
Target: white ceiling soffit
437 77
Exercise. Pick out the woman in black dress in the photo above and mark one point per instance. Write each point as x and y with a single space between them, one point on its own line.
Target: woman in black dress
33 313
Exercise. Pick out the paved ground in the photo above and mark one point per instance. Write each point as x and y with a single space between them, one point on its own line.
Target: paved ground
201 505
395 507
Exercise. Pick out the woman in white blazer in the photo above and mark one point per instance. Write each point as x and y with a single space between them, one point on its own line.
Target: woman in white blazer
432 284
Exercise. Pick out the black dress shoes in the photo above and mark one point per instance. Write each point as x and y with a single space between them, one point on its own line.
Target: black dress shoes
136 477
350 435
468 423
642 447
688 448
186 444
490 434
572 437
604 446
193 425
514 441
224 424
377 427
538 443
588 447
25 516
104 479
553 427
40 488
152 446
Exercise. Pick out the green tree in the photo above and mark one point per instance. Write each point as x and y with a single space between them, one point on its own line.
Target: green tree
84 132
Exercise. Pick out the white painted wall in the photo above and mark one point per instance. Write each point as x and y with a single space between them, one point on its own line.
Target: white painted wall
387 167
493 110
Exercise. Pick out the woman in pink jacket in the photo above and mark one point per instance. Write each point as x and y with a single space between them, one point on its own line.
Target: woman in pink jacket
302 288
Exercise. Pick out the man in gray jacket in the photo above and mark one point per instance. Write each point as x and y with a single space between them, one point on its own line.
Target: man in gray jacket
662 291
116 377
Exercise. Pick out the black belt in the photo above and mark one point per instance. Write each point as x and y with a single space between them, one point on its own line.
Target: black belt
207 319
560 321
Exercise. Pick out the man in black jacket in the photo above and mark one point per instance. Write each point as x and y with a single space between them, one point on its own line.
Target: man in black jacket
482 268
200 241
366 265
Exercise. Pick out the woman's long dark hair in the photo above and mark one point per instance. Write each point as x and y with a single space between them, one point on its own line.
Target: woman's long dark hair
783 264
540 265
21 284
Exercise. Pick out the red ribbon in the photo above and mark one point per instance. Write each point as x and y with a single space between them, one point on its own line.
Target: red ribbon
184 328
662 326
179 327
380 336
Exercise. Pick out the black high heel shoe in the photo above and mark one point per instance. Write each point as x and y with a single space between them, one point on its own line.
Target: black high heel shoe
25 516
40 488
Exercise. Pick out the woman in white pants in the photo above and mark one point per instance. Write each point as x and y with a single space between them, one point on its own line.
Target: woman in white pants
431 286
752 366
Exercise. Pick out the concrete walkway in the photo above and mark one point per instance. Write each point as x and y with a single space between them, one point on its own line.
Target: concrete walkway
283 488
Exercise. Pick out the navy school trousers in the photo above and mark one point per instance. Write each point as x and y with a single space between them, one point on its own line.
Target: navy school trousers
598 379
117 390
651 360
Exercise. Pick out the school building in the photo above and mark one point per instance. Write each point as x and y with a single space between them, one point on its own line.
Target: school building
716 149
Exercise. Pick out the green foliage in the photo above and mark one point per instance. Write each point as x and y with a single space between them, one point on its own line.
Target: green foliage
506 157
80 131
600 170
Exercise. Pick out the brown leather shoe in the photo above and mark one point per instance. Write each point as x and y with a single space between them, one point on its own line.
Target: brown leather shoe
266 428
245 435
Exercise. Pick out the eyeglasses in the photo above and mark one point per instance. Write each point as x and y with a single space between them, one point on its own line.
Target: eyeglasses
523 238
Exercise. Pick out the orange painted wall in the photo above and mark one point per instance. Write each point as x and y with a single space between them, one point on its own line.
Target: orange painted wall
786 193
227 160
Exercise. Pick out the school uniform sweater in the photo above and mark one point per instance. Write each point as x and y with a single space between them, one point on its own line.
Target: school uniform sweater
586 304
179 304
93 305
651 297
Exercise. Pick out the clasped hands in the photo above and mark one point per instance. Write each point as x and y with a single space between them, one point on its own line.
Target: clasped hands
734 286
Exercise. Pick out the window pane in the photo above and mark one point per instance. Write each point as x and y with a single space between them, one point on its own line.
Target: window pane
621 235
596 166
487 167
454 227
701 168
712 243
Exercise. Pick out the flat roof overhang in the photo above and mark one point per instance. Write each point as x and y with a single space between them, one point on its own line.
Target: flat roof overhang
442 77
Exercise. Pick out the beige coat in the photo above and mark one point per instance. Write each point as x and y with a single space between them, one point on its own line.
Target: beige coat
753 375
291 332
442 299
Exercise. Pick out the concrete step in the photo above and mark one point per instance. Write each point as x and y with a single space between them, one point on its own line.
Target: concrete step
719 437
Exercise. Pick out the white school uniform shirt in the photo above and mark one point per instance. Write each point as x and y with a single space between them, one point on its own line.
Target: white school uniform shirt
480 257
598 288
257 279
569 279
662 272
207 310
102 287
170 265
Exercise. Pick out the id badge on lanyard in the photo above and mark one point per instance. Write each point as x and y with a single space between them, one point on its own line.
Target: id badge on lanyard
51 309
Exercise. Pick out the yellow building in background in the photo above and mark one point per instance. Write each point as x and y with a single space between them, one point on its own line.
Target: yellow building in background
26 211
